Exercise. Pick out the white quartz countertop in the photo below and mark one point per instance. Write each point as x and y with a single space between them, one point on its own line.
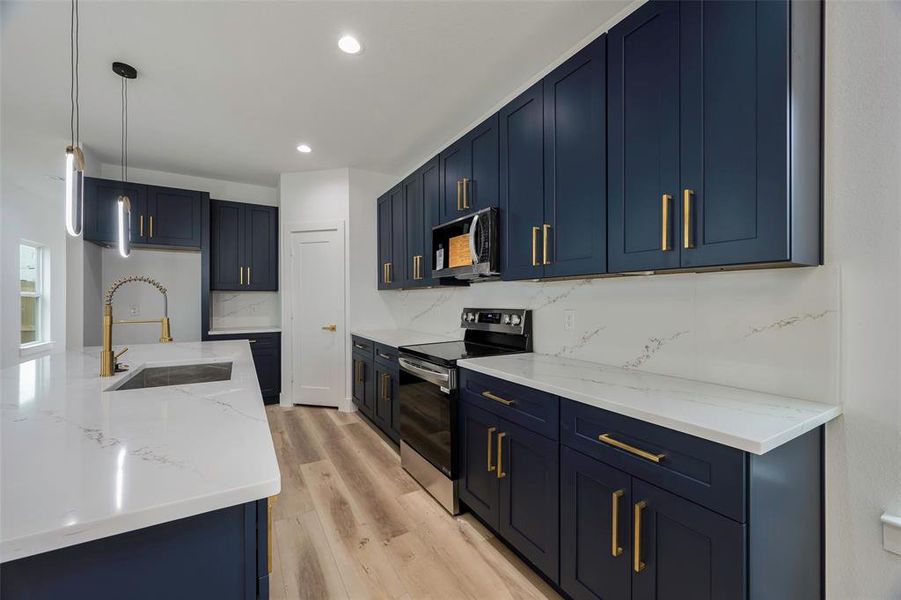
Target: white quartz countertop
752 421
402 337
243 330
80 463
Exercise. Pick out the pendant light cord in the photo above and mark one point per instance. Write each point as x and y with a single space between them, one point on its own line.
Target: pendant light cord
124 153
74 114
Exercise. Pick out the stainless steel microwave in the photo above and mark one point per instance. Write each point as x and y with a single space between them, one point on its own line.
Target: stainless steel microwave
481 228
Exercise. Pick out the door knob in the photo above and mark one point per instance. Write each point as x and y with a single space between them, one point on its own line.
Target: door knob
331 327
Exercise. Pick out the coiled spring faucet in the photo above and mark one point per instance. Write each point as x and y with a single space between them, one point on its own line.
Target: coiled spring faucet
108 364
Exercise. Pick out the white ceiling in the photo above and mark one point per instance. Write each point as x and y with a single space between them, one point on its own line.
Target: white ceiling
228 89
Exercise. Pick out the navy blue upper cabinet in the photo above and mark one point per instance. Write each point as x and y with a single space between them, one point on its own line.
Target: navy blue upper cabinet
522 185
397 272
430 173
243 246
553 167
575 164
421 198
643 139
172 217
384 235
684 551
714 135
160 216
469 171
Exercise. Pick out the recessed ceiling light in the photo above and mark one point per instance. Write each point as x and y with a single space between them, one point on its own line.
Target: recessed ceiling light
304 148
349 44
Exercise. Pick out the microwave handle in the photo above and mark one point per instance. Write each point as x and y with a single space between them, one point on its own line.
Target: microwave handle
473 232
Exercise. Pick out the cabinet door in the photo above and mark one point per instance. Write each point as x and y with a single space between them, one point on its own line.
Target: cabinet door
595 532
226 245
478 462
481 188
686 551
362 391
382 401
397 273
431 201
261 247
267 360
384 239
454 167
414 231
522 185
528 472
174 217
735 59
101 213
575 160
643 139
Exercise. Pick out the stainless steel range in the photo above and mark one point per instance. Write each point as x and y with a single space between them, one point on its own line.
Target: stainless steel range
428 394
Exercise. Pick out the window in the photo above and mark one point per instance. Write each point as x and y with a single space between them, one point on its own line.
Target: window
31 278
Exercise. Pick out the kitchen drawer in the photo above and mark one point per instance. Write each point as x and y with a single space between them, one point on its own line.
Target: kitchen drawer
530 408
386 354
705 472
362 346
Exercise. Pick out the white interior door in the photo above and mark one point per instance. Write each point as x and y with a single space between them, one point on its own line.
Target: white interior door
317 314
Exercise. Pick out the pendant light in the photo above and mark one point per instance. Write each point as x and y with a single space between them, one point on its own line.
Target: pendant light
123 202
74 156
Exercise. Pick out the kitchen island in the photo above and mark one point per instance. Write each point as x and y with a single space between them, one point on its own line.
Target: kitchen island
148 492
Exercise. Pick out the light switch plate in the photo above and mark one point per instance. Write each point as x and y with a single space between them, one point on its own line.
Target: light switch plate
569 319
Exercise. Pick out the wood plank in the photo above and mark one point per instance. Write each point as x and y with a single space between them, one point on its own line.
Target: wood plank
294 499
381 457
344 418
362 561
303 438
308 567
277 589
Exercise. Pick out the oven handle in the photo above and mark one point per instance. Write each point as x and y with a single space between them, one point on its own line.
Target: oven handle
441 379
473 233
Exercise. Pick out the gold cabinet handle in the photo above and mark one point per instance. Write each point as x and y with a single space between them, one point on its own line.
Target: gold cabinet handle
269 504
500 455
615 548
605 437
545 229
151 225
459 194
687 233
386 380
141 222
252 341
496 398
535 231
331 327
360 372
389 272
385 356
414 268
491 431
360 346
665 203
465 193
637 564
248 275
242 275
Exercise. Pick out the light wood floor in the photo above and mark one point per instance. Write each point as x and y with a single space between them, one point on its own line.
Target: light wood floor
350 523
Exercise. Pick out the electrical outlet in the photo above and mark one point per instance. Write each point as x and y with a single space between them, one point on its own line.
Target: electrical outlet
134 310
569 320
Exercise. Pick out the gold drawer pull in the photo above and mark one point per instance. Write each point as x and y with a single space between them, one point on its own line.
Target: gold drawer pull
465 193
248 275
687 233
491 431
151 225
503 401
545 229
242 275
141 221
500 455
637 564
605 437
615 548
459 194
665 243
535 231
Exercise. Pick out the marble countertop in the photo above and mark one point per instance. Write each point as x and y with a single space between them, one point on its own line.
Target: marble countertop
243 330
402 337
81 463
752 421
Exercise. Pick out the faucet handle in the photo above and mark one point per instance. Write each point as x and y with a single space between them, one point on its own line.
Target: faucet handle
117 366
121 352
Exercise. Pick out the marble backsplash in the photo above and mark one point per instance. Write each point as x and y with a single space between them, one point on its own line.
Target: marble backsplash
769 330
230 310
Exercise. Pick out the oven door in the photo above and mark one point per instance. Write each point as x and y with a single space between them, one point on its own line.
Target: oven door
428 411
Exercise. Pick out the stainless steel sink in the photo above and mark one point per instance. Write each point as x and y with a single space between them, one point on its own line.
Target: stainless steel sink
149 377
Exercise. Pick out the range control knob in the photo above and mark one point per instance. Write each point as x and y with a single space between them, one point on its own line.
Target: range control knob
516 319
506 319
470 317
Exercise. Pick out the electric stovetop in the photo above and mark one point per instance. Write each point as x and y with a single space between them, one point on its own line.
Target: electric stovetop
448 353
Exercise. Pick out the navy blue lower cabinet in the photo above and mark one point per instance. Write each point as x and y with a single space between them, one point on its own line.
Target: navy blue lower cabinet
478 462
595 529
266 349
683 550
222 554
385 403
528 471
363 384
